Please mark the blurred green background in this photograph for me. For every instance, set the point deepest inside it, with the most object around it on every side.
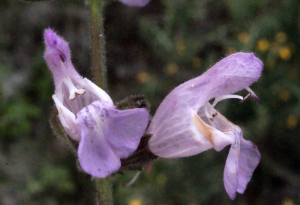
(151, 50)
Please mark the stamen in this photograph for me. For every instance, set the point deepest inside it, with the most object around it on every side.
(213, 116)
(208, 109)
(223, 97)
(72, 89)
(252, 94)
(246, 97)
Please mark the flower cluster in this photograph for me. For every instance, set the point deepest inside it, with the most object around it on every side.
(185, 123)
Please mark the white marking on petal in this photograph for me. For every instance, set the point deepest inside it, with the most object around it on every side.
(80, 91)
(204, 128)
(217, 138)
(72, 89)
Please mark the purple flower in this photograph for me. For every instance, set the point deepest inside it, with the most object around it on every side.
(139, 3)
(186, 124)
(89, 116)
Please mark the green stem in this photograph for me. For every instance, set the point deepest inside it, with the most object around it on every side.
(103, 186)
(104, 191)
(98, 43)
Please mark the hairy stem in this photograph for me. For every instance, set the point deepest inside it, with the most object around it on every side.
(103, 186)
(104, 191)
(98, 43)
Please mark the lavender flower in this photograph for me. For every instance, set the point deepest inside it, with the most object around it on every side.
(186, 124)
(139, 3)
(89, 116)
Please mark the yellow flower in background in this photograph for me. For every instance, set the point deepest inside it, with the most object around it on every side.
(288, 202)
(143, 77)
(280, 37)
(231, 50)
(135, 202)
(244, 37)
(263, 45)
(172, 69)
(284, 95)
(292, 121)
(197, 62)
(270, 63)
(181, 48)
(285, 53)
(161, 179)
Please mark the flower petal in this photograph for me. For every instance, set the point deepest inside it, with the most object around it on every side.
(125, 129)
(231, 74)
(248, 161)
(95, 90)
(230, 177)
(217, 138)
(108, 135)
(95, 154)
(58, 57)
(67, 119)
(139, 3)
(177, 136)
(241, 162)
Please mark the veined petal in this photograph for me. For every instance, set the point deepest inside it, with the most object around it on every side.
(216, 137)
(67, 81)
(95, 154)
(241, 162)
(187, 135)
(231, 74)
(58, 58)
(248, 160)
(92, 87)
(230, 177)
(139, 3)
(67, 119)
(186, 124)
(125, 129)
(179, 137)
(108, 135)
